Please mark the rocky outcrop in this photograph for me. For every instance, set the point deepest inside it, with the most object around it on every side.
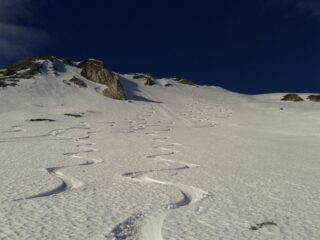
(142, 76)
(115, 89)
(184, 81)
(96, 71)
(149, 82)
(292, 97)
(66, 61)
(4, 84)
(92, 70)
(149, 79)
(75, 81)
(26, 68)
(314, 98)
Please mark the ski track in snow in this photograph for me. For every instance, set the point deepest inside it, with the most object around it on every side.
(15, 128)
(44, 137)
(68, 182)
(150, 225)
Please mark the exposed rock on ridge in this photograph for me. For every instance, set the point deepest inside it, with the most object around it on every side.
(184, 81)
(292, 97)
(97, 72)
(26, 68)
(314, 98)
(23, 69)
(149, 79)
(92, 70)
(76, 81)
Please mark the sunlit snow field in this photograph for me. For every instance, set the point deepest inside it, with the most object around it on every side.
(178, 162)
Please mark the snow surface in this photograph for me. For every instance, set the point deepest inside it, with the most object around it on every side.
(179, 162)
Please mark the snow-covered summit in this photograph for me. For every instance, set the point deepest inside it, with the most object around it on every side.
(62, 76)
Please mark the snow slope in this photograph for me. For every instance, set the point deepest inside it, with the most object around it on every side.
(178, 162)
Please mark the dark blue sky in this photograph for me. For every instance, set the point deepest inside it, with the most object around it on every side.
(249, 46)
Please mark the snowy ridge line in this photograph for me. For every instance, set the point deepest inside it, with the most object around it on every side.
(68, 182)
(149, 226)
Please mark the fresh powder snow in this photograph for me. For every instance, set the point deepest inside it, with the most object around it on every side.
(173, 162)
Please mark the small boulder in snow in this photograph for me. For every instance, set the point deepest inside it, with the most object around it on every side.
(76, 81)
(314, 98)
(292, 97)
(149, 82)
(149, 79)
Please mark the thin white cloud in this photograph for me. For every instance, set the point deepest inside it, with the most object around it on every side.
(305, 8)
(16, 40)
(310, 7)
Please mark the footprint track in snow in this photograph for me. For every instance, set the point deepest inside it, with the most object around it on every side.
(14, 129)
(45, 137)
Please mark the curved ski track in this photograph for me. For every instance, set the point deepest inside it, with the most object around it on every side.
(68, 182)
(148, 226)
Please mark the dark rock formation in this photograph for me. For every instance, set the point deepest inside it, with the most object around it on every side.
(142, 76)
(8, 83)
(168, 85)
(184, 81)
(97, 72)
(68, 62)
(92, 70)
(76, 81)
(149, 82)
(149, 79)
(26, 68)
(261, 225)
(314, 98)
(41, 120)
(292, 97)
(73, 115)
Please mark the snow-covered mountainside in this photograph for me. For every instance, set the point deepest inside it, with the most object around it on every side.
(173, 161)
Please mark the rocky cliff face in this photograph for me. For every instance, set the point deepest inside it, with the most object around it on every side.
(92, 70)
(97, 72)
